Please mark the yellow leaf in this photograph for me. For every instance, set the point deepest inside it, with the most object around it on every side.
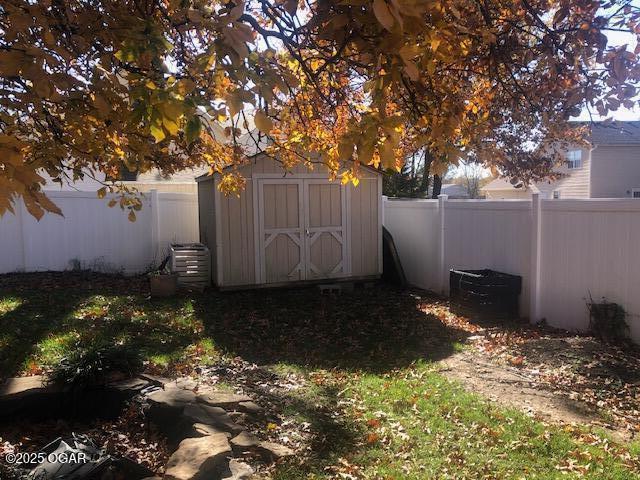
(102, 192)
(170, 125)
(131, 216)
(263, 122)
(157, 132)
(383, 14)
(387, 155)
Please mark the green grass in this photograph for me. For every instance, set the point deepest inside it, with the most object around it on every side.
(38, 329)
(375, 404)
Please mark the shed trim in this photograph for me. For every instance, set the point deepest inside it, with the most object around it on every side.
(218, 244)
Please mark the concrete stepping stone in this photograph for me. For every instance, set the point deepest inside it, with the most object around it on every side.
(199, 458)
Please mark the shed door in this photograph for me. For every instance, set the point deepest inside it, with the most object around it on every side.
(302, 229)
(281, 245)
(325, 215)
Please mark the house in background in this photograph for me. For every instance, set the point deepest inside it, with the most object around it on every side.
(610, 168)
(454, 191)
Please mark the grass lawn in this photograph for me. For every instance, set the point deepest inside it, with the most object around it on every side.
(370, 397)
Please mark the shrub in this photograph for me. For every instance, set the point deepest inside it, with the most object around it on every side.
(96, 365)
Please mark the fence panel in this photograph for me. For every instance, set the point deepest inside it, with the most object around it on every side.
(583, 247)
(11, 244)
(177, 220)
(589, 247)
(414, 227)
(92, 235)
(489, 234)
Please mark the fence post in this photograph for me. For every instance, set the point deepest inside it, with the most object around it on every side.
(155, 225)
(536, 246)
(442, 201)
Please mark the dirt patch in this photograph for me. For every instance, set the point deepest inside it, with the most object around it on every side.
(556, 378)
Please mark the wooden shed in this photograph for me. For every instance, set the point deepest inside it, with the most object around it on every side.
(291, 227)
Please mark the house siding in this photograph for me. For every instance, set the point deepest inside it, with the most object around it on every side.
(575, 183)
(615, 171)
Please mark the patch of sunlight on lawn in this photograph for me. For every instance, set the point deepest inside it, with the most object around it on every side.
(442, 431)
(9, 304)
(55, 347)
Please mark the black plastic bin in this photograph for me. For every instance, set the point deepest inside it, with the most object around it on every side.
(485, 294)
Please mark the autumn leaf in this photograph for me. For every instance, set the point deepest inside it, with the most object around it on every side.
(192, 130)
(383, 14)
(263, 122)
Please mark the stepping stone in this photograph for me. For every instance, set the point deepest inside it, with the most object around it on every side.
(133, 385)
(172, 397)
(29, 394)
(155, 379)
(214, 416)
(244, 441)
(222, 399)
(202, 430)
(274, 451)
(198, 458)
(238, 471)
(251, 408)
(19, 387)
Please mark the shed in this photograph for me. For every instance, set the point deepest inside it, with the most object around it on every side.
(291, 227)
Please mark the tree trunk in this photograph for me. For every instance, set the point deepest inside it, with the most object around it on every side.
(437, 186)
(424, 181)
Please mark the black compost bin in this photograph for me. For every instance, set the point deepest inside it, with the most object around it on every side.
(485, 293)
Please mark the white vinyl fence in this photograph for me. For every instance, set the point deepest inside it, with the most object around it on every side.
(565, 250)
(91, 235)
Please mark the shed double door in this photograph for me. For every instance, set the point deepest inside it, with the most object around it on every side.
(302, 230)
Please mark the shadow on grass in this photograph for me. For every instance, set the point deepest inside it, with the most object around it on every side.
(369, 329)
(45, 317)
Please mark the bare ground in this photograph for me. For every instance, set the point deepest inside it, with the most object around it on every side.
(557, 378)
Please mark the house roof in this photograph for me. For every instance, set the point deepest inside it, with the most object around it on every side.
(454, 190)
(501, 183)
(613, 133)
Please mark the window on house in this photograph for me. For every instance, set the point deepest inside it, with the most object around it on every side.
(574, 159)
(635, 193)
(556, 194)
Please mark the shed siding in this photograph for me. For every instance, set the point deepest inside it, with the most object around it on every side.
(237, 238)
(237, 234)
(615, 171)
(364, 227)
(207, 219)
